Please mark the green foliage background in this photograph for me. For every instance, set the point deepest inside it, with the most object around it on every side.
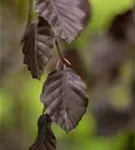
(20, 94)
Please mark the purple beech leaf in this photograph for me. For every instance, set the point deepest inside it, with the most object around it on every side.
(45, 139)
(65, 98)
(66, 17)
(38, 42)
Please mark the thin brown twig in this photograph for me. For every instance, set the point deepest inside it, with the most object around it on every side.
(64, 60)
(43, 111)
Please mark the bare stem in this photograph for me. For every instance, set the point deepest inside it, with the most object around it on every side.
(64, 60)
(43, 110)
(30, 15)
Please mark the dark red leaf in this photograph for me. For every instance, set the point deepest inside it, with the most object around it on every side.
(65, 98)
(67, 17)
(45, 139)
(38, 42)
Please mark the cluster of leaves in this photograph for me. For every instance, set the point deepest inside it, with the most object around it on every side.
(63, 88)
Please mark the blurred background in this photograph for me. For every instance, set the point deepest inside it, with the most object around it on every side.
(104, 56)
